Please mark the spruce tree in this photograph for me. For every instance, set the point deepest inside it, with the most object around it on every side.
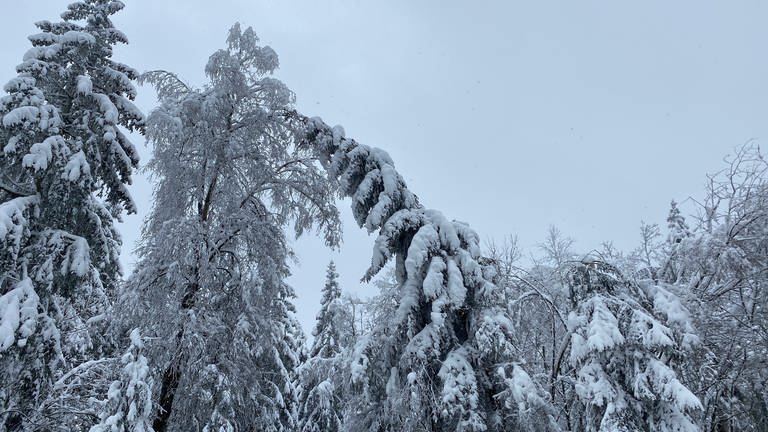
(210, 285)
(65, 166)
(327, 333)
(445, 360)
(626, 342)
(677, 232)
(320, 407)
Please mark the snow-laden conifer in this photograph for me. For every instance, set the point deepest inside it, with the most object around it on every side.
(319, 377)
(626, 341)
(677, 228)
(327, 333)
(677, 231)
(64, 167)
(444, 361)
(128, 407)
(210, 286)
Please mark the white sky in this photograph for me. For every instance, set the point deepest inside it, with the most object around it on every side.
(508, 115)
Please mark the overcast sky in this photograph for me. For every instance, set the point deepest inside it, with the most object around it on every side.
(511, 116)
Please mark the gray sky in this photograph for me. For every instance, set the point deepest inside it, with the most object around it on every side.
(508, 115)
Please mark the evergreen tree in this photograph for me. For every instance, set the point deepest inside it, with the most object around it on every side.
(327, 332)
(210, 285)
(319, 380)
(129, 404)
(626, 340)
(677, 231)
(444, 361)
(64, 167)
(677, 228)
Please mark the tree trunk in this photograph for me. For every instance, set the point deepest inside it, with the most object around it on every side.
(168, 390)
(172, 373)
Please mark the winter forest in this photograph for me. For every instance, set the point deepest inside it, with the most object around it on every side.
(458, 332)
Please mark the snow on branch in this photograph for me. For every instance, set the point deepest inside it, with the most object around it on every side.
(449, 317)
(18, 314)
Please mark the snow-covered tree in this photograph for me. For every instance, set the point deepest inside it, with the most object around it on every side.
(128, 407)
(64, 167)
(677, 228)
(537, 301)
(626, 340)
(210, 286)
(318, 377)
(327, 332)
(646, 259)
(444, 361)
(722, 271)
(677, 231)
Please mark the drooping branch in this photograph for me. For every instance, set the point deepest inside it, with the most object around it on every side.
(450, 333)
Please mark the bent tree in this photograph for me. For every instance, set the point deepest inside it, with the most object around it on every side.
(210, 287)
(445, 360)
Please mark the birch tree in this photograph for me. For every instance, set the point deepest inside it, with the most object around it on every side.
(210, 286)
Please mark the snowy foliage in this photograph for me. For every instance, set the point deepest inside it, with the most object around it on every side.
(129, 404)
(670, 336)
(443, 360)
(211, 288)
(320, 394)
(319, 380)
(721, 273)
(327, 332)
(625, 342)
(18, 314)
(65, 164)
(677, 232)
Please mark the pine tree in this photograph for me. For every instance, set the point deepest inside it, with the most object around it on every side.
(65, 165)
(319, 384)
(129, 404)
(626, 340)
(211, 282)
(445, 360)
